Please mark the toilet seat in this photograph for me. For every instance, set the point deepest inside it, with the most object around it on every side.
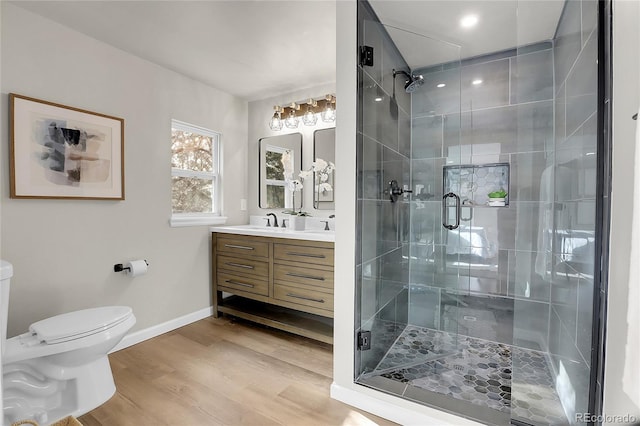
(75, 325)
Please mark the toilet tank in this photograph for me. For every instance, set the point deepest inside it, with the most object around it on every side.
(6, 272)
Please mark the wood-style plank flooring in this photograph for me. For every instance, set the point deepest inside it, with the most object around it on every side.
(225, 372)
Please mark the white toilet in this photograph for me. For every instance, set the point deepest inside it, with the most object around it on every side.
(60, 366)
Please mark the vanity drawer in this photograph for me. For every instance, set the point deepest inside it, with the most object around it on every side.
(303, 296)
(303, 275)
(243, 247)
(244, 265)
(246, 284)
(306, 254)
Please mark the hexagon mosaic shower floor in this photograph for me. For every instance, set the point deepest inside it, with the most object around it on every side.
(503, 377)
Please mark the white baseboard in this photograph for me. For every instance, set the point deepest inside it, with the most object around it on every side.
(156, 330)
(393, 412)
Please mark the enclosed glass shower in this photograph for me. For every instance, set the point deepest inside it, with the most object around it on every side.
(478, 207)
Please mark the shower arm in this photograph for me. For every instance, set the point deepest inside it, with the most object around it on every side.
(395, 73)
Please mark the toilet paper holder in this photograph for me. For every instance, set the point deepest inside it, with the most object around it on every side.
(119, 267)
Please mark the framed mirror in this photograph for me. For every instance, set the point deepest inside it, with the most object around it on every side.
(324, 148)
(280, 163)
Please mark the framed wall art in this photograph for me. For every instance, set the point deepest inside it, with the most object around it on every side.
(59, 151)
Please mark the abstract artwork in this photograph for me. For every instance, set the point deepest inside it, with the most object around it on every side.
(59, 151)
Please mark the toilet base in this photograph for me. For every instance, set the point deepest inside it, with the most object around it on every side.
(43, 391)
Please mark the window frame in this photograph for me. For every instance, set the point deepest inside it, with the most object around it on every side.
(201, 218)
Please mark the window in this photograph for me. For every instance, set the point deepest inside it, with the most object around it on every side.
(195, 193)
(275, 175)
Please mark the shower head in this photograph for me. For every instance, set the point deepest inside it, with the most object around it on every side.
(412, 82)
(416, 81)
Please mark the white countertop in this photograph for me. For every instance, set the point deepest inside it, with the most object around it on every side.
(263, 231)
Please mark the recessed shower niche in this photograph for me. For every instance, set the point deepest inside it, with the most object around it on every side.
(475, 182)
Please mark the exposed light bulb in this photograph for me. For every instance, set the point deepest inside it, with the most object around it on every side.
(440, 86)
(309, 118)
(291, 121)
(275, 123)
(329, 114)
(476, 82)
(378, 99)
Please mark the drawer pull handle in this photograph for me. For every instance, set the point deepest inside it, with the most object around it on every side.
(319, 256)
(237, 265)
(238, 247)
(239, 283)
(297, 296)
(310, 277)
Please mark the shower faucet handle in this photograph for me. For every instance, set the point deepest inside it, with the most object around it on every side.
(395, 190)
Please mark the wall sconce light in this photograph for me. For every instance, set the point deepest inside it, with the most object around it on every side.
(329, 113)
(292, 120)
(289, 115)
(310, 118)
(276, 121)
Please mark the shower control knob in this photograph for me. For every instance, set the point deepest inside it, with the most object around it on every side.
(395, 191)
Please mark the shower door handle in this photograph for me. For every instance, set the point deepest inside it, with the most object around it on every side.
(445, 211)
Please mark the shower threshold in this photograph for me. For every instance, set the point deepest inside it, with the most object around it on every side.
(476, 378)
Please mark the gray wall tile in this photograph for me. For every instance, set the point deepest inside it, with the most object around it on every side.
(424, 306)
(530, 324)
(431, 100)
(371, 174)
(582, 86)
(494, 89)
(377, 122)
(589, 18)
(426, 137)
(568, 40)
(526, 174)
(532, 77)
(526, 280)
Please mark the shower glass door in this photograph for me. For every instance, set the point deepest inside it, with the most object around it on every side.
(411, 251)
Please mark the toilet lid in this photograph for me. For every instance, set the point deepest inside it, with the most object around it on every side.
(74, 325)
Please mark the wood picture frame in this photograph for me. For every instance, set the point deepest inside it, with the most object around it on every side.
(58, 151)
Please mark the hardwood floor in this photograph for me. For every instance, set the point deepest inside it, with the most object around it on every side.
(225, 372)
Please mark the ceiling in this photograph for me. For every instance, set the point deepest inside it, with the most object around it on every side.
(427, 32)
(262, 48)
(251, 49)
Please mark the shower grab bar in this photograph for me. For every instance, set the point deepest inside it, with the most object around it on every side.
(445, 213)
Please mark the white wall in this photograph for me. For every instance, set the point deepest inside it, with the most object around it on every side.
(63, 251)
(626, 99)
(259, 114)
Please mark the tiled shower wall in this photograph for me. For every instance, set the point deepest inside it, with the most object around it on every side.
(384, 149)
(490, 267)
(572, 248)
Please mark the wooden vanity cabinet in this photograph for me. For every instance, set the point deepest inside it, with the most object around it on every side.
(283, 283)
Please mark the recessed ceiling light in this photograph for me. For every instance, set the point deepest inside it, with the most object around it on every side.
(476, 81)
(440, 86)
(469, 21)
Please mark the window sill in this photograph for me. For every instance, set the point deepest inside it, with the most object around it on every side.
(177, 221)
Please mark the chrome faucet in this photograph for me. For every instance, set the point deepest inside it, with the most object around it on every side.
(275, 219)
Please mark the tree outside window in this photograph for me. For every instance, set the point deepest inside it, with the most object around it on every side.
(194, 169)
